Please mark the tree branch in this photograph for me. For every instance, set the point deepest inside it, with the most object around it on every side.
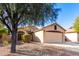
(9, 14)
(3, 21)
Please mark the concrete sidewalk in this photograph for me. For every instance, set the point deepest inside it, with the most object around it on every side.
(4, 51)
(67, 46)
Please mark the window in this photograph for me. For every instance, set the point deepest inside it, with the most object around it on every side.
(55, 27)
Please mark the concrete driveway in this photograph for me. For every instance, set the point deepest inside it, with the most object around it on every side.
(67, 46)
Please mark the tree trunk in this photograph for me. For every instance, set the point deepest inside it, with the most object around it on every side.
(14, 40)
(32, 36)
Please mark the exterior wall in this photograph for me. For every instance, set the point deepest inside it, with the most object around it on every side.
(63, 37)
(60, 29)
(38, 36)
(49, 28)
(72, 37)
(52, 28)
(52, 37)
(78, 37)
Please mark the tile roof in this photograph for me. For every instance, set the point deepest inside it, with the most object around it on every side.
(71, 30)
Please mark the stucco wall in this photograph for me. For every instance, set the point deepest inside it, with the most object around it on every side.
(60, 29)
(51, 37)
(63, 35)
(43, 36)
(78, 36)
(52, 28)
(38, 36)
(72, 37)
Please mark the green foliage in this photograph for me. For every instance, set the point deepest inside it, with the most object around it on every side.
(26, 38)
(3, 31)
(23, 37)
(40, 14)
(31, 13)
(5, 43)
(76, 24)
(1, 25)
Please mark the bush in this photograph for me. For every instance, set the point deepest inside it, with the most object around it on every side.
(5, 43)
(3, 31)
(20, 33)
(5, 40)
(26, 38)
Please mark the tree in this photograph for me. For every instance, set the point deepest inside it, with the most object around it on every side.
(12, 15)
(1, 25)
(76, 24)
(2, 29)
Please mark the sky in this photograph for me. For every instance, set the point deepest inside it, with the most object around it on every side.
(69, 12)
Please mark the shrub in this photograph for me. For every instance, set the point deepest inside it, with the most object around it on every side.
(3, 31)
(26, 38)
(20, 33)
(5, 43)
(5, 40)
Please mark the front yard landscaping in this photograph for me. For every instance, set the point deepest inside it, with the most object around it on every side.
(37, 49)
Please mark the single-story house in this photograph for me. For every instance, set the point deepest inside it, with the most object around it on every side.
(53, 33)
(71, 35)
(28, 28)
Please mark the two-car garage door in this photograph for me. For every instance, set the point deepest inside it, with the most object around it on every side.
(50, 37)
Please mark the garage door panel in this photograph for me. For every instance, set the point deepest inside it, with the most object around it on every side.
(53, 37)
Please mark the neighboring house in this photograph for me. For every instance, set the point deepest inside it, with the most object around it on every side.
(28, 28)
(71, 35)
(26, 31)
(53, 33)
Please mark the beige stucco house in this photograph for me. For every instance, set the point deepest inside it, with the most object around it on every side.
(71, 35)
(53, 33)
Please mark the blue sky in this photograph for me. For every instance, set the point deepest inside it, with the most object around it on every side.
(69, 12)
